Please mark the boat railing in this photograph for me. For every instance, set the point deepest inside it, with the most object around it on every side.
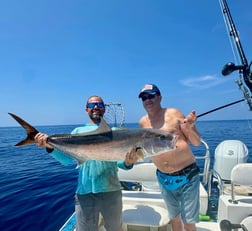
(205, 174)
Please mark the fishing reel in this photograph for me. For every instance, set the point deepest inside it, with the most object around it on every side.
(243, 69)
(245, 75)
(231, 67)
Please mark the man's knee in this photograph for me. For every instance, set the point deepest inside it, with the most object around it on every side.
(189, 227)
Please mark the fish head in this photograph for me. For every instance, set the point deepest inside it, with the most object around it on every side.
(156, 142)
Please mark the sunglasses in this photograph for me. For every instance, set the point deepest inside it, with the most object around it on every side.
(148, 97)
(100, 105)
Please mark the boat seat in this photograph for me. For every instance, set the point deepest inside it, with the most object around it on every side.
(235, 207)
(142, 208)
(240, 175)
(245, 190)
(146, 208)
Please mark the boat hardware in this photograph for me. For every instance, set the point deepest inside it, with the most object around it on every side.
(244, 69)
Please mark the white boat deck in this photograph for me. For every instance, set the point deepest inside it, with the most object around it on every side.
(145, 210)
(208, 226)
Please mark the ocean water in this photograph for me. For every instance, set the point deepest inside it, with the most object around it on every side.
(37, 192)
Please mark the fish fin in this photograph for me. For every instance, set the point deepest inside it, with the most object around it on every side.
(104, 127)
(140, 153)
(30, 130)
(79, 163)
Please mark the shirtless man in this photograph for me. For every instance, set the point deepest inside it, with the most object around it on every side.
(177, 172)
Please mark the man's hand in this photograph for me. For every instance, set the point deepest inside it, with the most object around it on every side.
(189, 129)
(131, 157)
(191, 118)
(41, 140)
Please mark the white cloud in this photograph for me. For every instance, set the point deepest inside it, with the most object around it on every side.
(203, 82)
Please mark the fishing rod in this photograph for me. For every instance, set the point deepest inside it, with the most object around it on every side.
(244, 69)
(218, 108)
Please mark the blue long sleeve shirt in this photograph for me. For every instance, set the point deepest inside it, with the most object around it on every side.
(94, 176)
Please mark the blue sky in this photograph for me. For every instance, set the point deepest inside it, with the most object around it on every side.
(56, 53)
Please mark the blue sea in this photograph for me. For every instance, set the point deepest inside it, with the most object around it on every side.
(37, 192)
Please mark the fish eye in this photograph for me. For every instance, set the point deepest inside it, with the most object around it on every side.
(162, 137)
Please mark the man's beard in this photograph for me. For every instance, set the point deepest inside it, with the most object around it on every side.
(95, 117)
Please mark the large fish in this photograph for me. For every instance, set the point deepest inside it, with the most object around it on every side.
(104, 143)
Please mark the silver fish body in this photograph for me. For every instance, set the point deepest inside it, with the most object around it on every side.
(104, 143)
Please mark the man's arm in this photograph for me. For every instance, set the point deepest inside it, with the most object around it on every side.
(41, 141)
(189, 129)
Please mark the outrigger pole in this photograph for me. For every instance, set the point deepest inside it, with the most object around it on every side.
(244, 68)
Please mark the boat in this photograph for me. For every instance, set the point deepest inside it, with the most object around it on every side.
(225, 189)
(144, 209)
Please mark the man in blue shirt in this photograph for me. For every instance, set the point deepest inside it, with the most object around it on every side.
(99, 189)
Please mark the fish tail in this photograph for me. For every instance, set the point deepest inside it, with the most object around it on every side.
(30, 130)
